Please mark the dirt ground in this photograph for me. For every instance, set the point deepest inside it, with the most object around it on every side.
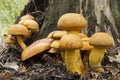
(47, 67)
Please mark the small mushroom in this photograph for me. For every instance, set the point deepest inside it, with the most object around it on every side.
(85, 50)
(81, 35)
(20, 32)
(56, 34)
(10, 39)
(100, 41)
(27, 16)
(70, 43)
(30, 24)
(36, 48)
(86, 45)
(54, 46)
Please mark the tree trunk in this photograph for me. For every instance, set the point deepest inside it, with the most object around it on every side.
(102, 15)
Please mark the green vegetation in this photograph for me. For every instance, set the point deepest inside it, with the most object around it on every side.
(9, 11)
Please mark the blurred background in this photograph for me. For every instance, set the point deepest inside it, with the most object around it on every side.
(9, 11)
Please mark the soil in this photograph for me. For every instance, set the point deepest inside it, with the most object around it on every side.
(47, 67)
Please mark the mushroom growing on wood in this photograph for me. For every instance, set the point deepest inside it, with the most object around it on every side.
(20, 32)
(73, 23)
(100, 41)
(36, 48)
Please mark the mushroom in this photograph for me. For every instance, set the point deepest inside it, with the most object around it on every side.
(85, 50)
(86, 45)
(27, 16)
(36, 48)
(30, 24)
(70, 43)
(54, 46)
(10, 39)
(100, 41)
(19, 31)
(56, 34)
(73, 23)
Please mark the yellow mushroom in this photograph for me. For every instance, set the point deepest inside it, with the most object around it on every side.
(54, 46)
(56, 34)
(27, 16)
(10, 39)
(20, 32)
(32, 25)
(70, 43)
(73, 23)
(36, 48)
(100, 41)
(85, 50)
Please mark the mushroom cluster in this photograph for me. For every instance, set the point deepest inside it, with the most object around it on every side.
(68, 41)
(26, 26)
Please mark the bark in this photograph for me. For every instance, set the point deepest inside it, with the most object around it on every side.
(102, 15)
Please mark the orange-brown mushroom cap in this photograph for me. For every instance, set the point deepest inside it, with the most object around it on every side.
(70, 41)
(72, 21)
(55, 44)
(19, 29)
(35, 48)
(86, 45)
(30, 24)
(56, 34)
(101, 39)
(27, 16)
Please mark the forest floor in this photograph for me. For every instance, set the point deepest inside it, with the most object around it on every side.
(46, 67)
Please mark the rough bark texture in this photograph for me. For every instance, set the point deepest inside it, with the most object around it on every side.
(102, 15)
(56, 8)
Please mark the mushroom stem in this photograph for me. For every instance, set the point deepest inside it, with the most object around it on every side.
(73, 61)
(62, 52)
(20, 42)
(72, 32)
(96, 57)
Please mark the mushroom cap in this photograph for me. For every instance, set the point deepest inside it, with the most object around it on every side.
(30, 24)
(55, 44)
(18, 29)
(35, 48)
(101, 39)
(56, 34)
(53, 50)
(81, 35)
(86, 45)
(70, 41)
(27, 16)
(72, 21)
